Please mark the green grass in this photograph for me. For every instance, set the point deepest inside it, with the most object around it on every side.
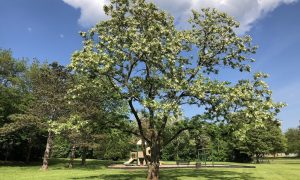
(95, 169)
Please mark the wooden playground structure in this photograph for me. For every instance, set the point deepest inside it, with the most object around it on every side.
(137, 160)
(137, 157)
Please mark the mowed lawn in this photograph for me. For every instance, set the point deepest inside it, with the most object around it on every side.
(282, 169)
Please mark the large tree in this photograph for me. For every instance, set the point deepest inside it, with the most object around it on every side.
(150, 64)
(49, 86)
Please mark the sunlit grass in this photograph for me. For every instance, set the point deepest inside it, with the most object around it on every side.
(95, 169)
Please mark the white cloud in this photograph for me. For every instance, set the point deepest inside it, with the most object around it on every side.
(91, 10)
(245, 11)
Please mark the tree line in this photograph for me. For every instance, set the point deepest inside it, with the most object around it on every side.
(41, 114)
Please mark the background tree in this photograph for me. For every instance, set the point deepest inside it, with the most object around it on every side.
(267, 139)
(181, 148)
(49, 86)
(97, 107)
(14, 98)
(293, 140)
(148, 63)
(92, 109)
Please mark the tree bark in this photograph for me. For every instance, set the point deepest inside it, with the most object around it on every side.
(47, 151)
(144, 152)
(153, 167)
(153, 171)
(72, 156)
(83, 156)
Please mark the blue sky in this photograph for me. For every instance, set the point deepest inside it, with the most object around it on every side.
(48, 30)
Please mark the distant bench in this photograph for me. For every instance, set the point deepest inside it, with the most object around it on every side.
(182, 162)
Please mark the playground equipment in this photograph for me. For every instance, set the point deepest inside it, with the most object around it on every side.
(137, 157)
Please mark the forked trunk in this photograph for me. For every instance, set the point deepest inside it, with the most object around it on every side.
(47, 151)
(153, 166)
(72, 156)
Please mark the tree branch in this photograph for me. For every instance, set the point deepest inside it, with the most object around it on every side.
(138, 121)
(177, 134)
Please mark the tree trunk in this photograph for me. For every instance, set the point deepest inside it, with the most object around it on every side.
(47, 151)
(144, 152)
(72, 156)
(153, 167)
(8, 148)
(153, 171)
(6, 155)
(257, 159)
(29, 150)
(83, 156)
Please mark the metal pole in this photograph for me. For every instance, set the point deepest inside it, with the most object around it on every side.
(137, 154)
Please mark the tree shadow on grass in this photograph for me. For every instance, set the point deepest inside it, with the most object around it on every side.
(179, 174)
(216, 174)
(130, 175)
(90, 165)
(56, 164)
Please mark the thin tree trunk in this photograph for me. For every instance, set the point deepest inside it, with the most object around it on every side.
(153, 167)
(47, 151)
(8, 147)
(257, 159)
(83, 156)
(29, 150)
(72, 156)
(6, 155)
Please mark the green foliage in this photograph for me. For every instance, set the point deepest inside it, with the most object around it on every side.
(16, 135)
(13, 88)
(49, 85)
(39, 91)
(293, 140)
(61, 147)
(182, 148)
(117, 145)
(262, 140)
(92, 108)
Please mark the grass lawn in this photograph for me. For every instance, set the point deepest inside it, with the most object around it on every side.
(282, 169)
